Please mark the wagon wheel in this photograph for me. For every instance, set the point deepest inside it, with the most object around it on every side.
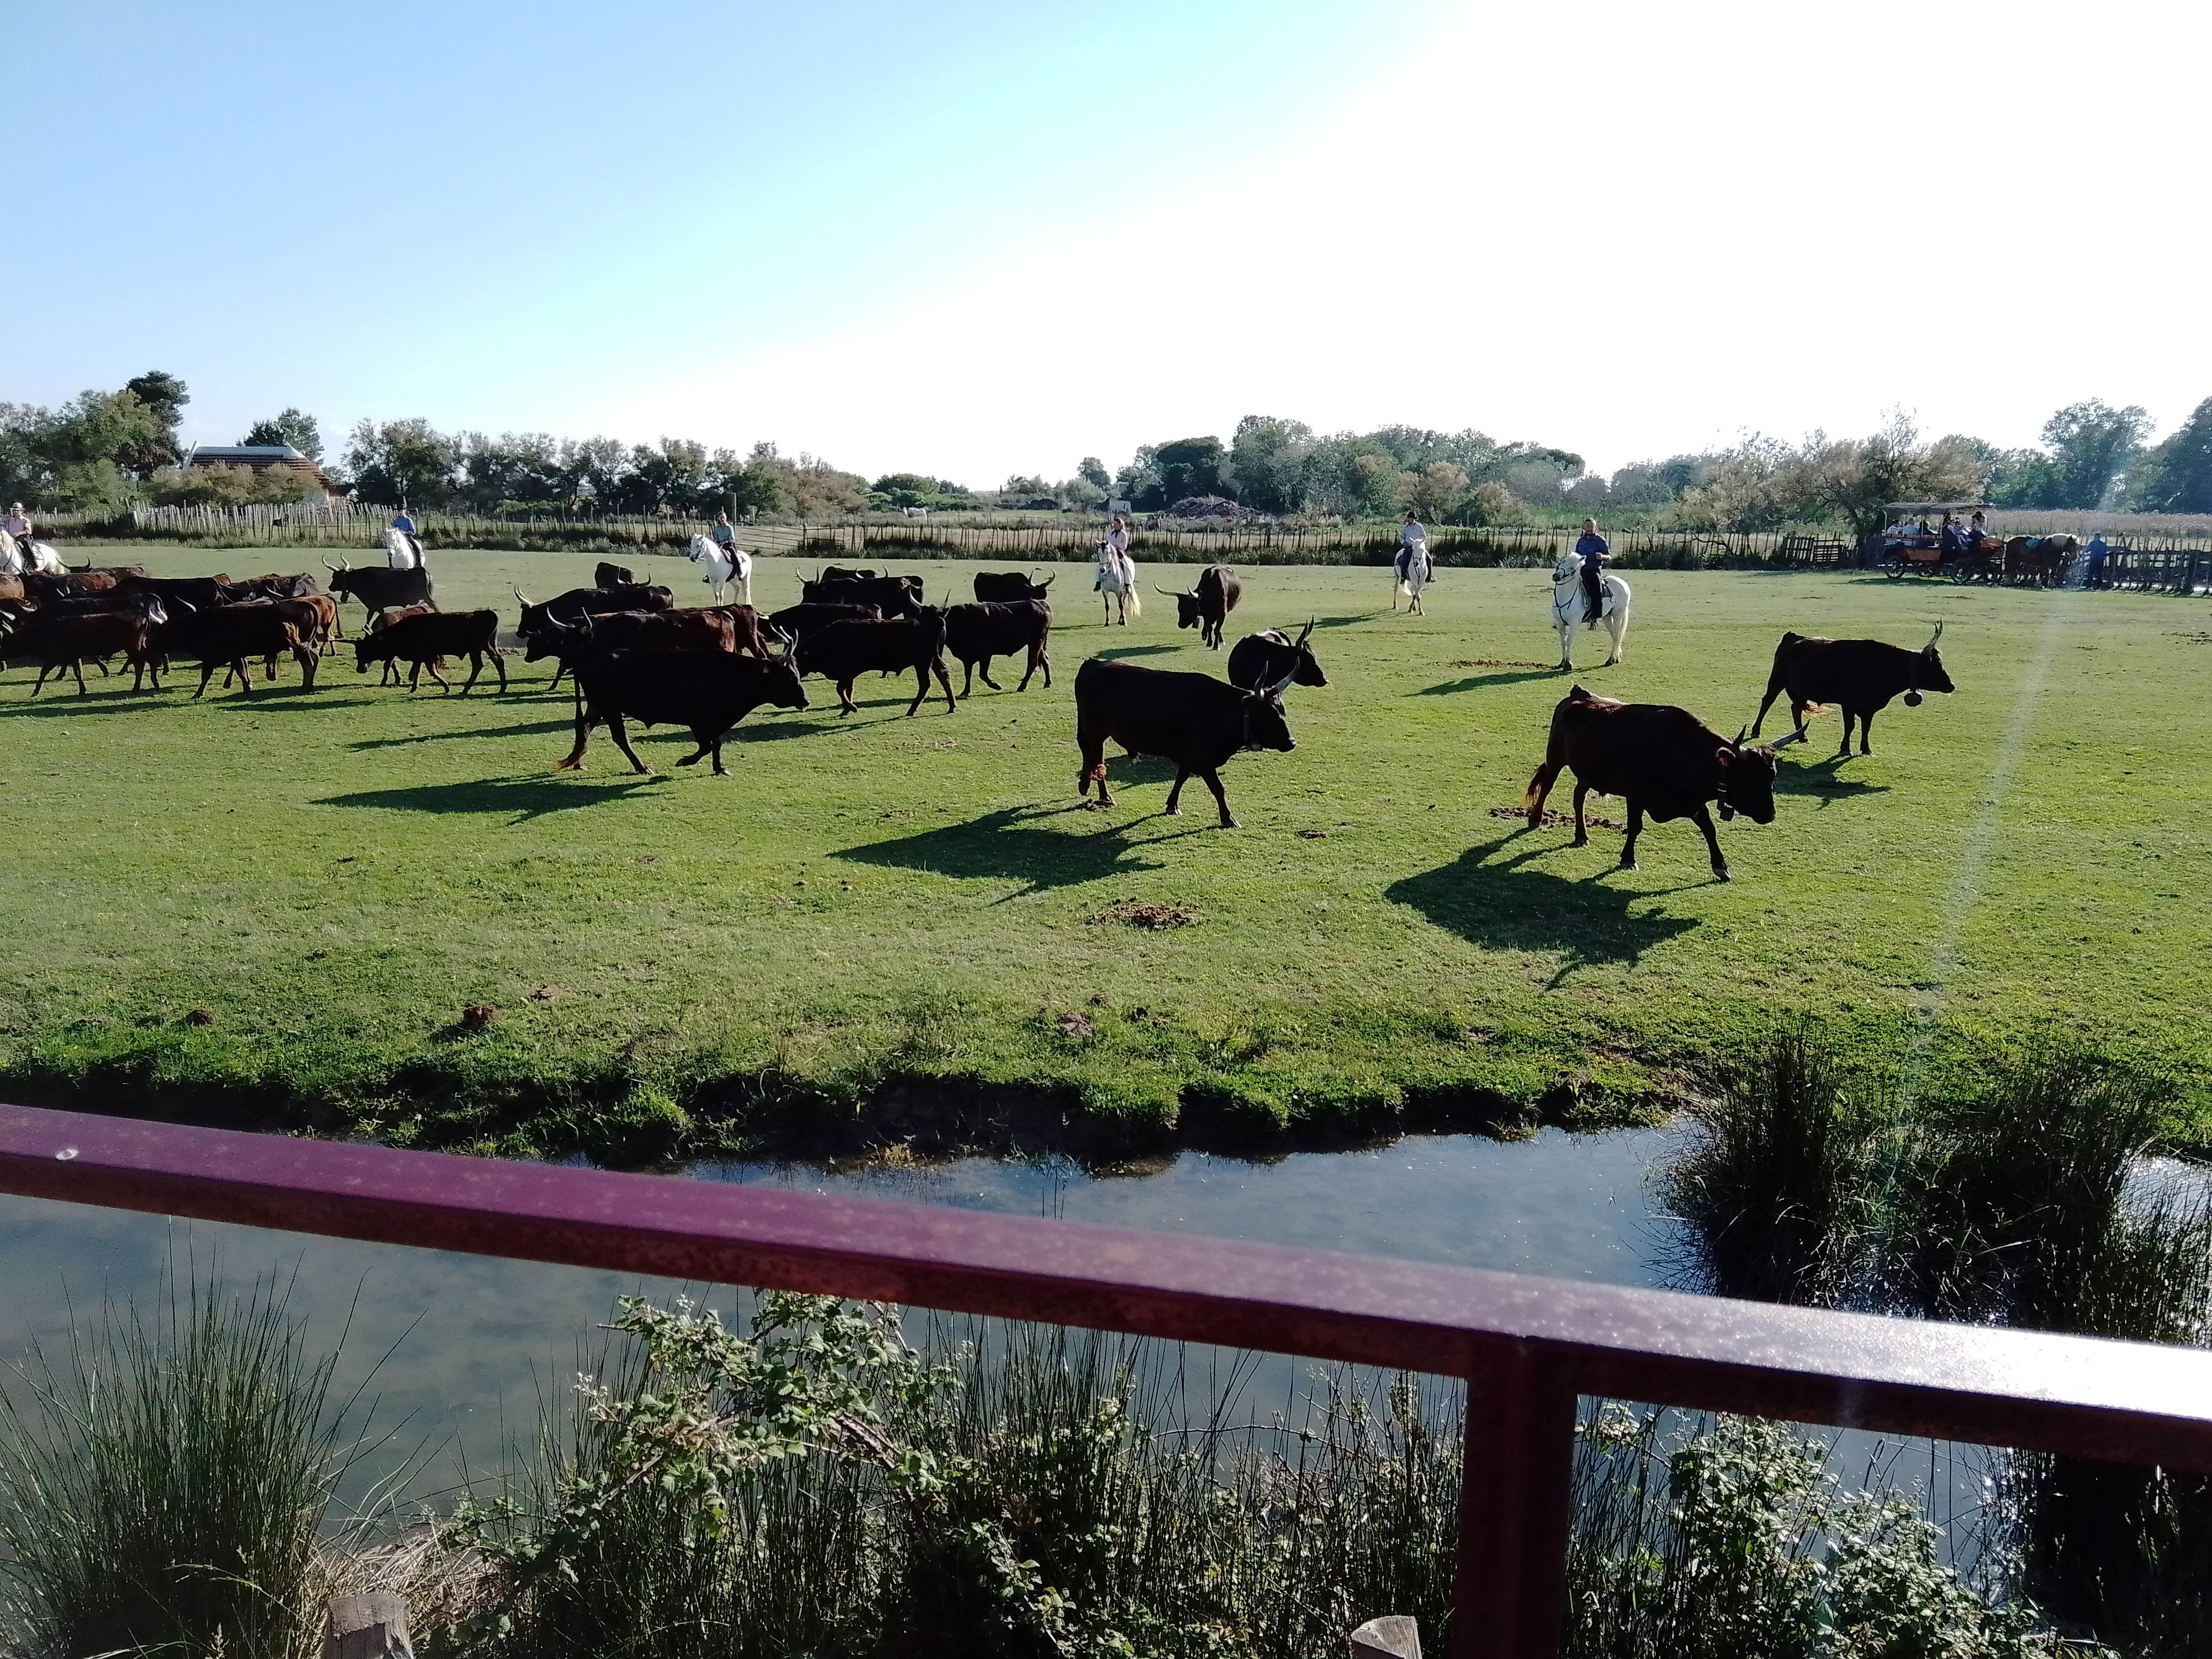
(1895, 569)
(1967, 570)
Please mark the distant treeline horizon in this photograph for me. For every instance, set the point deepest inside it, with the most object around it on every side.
(108, 450)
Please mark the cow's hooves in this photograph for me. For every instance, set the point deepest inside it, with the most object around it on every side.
(1230, 824)
(1628, 864)
(1720, 875)
(1579, 841)
(1171, 811)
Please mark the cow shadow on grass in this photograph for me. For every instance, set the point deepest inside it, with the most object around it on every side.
(1017, 843)
(1116, 653)
(1824, 781)
(522, 728)
(105, 700)
(1502, 905)
(1476, 682)
(521, 799)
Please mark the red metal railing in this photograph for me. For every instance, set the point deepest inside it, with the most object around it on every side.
(1527, 1347)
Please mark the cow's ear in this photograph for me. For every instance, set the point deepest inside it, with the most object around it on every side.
(1726, 755)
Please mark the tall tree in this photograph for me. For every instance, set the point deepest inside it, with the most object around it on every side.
(2176, 477)
(164, 397)
(403, 462)
(294, 427)
(1092, 471)
(2091, 445)
(1189, 466)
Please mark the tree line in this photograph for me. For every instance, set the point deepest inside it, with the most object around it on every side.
(104, 450)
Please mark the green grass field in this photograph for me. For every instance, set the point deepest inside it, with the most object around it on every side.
(274, 908)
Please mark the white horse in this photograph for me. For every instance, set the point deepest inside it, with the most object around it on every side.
(1570, 608)
(729, 566)
(401, 552)
(18, 557)
(1113, 578)
(1410, 574)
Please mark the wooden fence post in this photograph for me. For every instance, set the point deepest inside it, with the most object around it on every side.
(371, 1626)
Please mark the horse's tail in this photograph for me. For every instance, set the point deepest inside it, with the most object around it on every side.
(1136, 600)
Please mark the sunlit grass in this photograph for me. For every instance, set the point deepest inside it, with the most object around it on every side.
(279, 905)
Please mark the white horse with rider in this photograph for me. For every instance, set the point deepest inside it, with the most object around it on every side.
(1571, 609)
(1113, 578)
(25, 556)
(724, 565)
(1411, 569)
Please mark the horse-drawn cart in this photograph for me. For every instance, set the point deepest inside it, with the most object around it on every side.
(1908, 545)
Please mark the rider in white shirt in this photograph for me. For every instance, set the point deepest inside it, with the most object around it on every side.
(1411, 534)
(17, 523)
(1117, 538)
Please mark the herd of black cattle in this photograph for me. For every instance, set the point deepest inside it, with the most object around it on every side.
(632, 655)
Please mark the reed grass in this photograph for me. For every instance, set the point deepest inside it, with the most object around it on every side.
(164, 1482)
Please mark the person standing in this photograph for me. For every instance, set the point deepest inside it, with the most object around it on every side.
(2098, 554)
(1593, 550)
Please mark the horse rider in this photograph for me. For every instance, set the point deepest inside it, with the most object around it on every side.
(1591, 548)
(724, 532)
(1411, 534)
(18, 524)
(1117, 544)
(402, 522)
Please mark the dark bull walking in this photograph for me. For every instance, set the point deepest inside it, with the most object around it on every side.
(1859, 676)
(1660, 760)
(1208, 605)
(1194, 719)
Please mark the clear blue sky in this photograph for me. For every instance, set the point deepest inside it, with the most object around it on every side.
(971, 237)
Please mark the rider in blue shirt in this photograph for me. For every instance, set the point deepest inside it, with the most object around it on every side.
(405, 526)
(1592, 550)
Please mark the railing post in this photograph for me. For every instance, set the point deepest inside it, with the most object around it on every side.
(1515, 1510)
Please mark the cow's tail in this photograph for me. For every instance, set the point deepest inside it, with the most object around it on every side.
(1555, 760)
(1778, 679)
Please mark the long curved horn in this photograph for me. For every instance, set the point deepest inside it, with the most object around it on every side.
(1156, 588)
(1785, 742)
(519, 600)
(1932, 638)
(1307, 634)
(1742, 731)
(1284, 684)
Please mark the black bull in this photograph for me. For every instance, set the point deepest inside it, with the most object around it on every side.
(378, 589)
(895, 595)
(1207, 605)
(1193, 720)
(1660, 761)
(974, 633)
(705, 692)
(1859, 676)
(1260, 658)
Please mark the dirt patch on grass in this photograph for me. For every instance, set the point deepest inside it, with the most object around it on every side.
(1499, 662)
(1554, 820)
(1151, 917)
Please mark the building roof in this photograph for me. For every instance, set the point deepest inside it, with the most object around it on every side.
(204, 454)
